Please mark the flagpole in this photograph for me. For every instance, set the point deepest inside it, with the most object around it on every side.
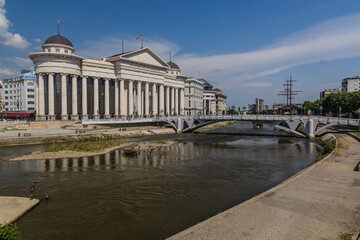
(142, 41)
(122, 44)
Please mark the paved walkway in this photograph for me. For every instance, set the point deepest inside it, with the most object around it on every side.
(321, 202)
(11, 208)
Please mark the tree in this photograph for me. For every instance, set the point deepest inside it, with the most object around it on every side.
(335, 103)
(9, 232)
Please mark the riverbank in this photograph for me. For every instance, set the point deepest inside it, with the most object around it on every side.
(214, 126)
(43, 155)
(320, 202)
(12, 208)
(37, 136)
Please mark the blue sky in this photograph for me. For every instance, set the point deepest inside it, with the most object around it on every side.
(246, 48)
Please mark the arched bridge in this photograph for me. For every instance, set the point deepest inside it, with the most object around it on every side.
(312, 125)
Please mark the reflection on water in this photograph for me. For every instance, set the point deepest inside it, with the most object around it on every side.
(155, 194)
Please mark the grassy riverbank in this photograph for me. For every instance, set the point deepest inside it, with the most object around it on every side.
(83, 146)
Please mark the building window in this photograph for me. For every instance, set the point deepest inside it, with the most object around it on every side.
(31, 96)
(57, 50)
(30, 90)
(31, 102)
(66, 51)
(31, 109)
(6, 86)
(49, 50)
(30, 83)
(6, 92)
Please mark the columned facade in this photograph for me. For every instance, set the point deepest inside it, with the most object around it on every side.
(133, 84)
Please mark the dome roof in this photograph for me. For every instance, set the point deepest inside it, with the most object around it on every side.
(57, 39)
(173, 65)
(217, 90)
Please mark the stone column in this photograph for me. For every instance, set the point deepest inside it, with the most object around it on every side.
(64, 113)
(167, 101)
(139, 99)
(107, 96)
(41, 98)
(131, 99)
(51, 97)
(116, 98)
(84, 98)
(96, 98)
(176, 101)
(161, 100)
(154, 99)
(182, 101)
(74, 114)
(147, 99)
(172, 101)
(122, 99)
(36, 98)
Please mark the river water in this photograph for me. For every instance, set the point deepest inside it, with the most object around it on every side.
(155, 194)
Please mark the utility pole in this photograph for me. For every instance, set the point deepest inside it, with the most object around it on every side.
(289, 93)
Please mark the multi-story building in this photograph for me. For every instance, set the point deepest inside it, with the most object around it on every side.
(350, 84)
(214, 100)
(19, 93)
(327, 92)
(194, 96)
(259, 105)
(1, 101)
(132, 84)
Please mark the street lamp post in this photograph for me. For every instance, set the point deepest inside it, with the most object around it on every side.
(17, 105)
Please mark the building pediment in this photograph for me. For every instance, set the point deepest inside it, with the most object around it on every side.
(144, 56)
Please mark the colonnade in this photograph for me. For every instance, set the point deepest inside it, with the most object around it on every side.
(128, 98)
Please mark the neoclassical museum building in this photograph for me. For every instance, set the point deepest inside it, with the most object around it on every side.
(131, 84)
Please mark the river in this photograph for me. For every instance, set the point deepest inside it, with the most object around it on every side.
(155, 194)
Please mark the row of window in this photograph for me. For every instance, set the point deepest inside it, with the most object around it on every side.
(18, 85)
(19, 91)
(57, 50)
(14, 109)
(20, 103)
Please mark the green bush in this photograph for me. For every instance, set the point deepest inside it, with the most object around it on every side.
(161, 142)
(9, 232)
(328, 147)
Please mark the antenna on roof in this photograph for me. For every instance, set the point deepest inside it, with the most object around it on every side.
(170, 55)
(122, 50)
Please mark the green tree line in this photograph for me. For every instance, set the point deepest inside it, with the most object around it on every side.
(344, 103)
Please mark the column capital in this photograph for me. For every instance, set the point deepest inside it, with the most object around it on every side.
(52, 73)
(41, 74)
(73, 75)
(64, 74)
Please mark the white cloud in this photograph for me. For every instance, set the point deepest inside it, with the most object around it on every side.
(329, 40)
(37, 40)
(23, 62)
(6, 72)
(332, 85)
(258, 84)
(109, 46)
(6, 38)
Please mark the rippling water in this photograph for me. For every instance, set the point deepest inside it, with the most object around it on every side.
(153, 195)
